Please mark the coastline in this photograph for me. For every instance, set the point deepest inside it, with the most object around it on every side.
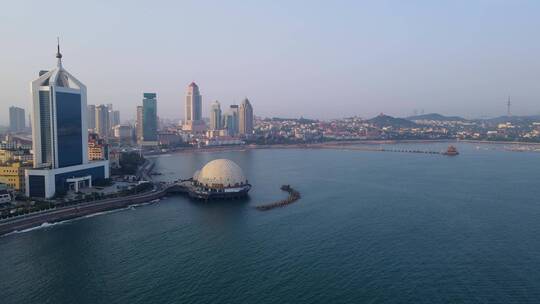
(334, 145)
(76, 211)
(85, 209)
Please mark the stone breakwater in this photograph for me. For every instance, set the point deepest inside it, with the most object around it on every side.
(293, 197)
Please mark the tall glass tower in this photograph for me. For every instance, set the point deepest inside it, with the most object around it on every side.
(245, 124)
(17, 119)
(194, 122)
(215, 116)
(149, 117)
(60, 135)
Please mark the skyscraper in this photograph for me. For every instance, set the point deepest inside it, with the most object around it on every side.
(149, 117)
(91, 114)
(59, 135)
(102, 121)
(194, 122)
(193, 103)
(114, 117)
(245, 124)
(231, 120)
(215, 116)
(139, 124)
(17, 118)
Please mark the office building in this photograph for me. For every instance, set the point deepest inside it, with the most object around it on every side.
(102, 121)
(215, 116)
(114, 117)
(193, 121)
(149, 118)
(17, 121)
(245, 122)
(231, 120)
(139, 124)
(60, 136)
(91, 115)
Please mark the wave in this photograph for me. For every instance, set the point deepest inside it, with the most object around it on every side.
(42, 226)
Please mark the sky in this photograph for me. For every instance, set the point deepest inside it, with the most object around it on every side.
(316, 59)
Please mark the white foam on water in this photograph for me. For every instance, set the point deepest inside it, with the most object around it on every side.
(48, 225)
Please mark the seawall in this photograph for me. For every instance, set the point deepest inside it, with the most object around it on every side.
(75, 211)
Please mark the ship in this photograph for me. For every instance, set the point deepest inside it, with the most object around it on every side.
(451, 151)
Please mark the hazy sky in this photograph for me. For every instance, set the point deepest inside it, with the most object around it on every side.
(321, 59)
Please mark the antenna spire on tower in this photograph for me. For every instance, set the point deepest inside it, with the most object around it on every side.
(58, 54)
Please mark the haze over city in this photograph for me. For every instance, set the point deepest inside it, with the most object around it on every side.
(315, 59)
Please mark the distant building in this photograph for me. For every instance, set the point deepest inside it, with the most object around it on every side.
(97, 148)
(15, 154)
(169, 139)
(193, 121)
(91, 114)
(123, 133)
(13, 176)
(17, 118)
(60, 135)
(149, 118)
(115, 118)
(245, 125)
(102, 121)
(139, 124)
(215, 116)
(231, 120)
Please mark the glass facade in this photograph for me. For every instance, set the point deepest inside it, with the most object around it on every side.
(69, 129)
(149, 119)
(60, 179)
(36, 184)
(45, 126)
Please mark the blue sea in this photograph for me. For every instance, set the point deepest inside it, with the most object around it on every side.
(371, 227)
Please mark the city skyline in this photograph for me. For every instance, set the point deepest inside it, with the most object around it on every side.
(373, 59)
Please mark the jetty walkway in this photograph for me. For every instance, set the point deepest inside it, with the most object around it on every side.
(293, 197)
(373, 149)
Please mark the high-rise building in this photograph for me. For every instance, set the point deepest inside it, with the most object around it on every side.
(60, 136)
(16, 119)
(114, 117)
(139, 124)
(215, 116)
(231, 120)
(193, 103)
(91, 116)
(149, 117)
(245, 124)
(193, 121)
(102, 121)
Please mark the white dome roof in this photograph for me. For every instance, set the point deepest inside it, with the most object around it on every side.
(223, 172)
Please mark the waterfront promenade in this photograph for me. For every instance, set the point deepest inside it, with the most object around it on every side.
(70, 212)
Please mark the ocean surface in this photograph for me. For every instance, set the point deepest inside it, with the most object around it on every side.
(371, 227)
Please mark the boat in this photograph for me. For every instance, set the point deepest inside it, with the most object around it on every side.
(451, 151)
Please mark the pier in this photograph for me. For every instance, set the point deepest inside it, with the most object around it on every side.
(293, 197)
(451, 150)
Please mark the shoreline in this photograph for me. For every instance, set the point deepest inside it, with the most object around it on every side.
(77, 211)
(85, 209)
(334, 145)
